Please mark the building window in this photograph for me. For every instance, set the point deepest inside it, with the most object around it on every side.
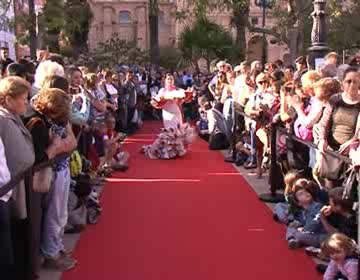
(254, 20)
(124, 17)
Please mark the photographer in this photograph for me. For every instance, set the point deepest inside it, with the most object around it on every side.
(257, 107)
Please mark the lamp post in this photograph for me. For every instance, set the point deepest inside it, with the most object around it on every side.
(319, 47)
(264, 4)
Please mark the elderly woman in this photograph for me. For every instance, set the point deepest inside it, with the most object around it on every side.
(52, 136)
(19, 153)
(340, 122)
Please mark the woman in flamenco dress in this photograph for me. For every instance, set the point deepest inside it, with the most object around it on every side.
(174, 138)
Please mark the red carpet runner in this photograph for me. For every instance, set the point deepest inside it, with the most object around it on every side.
(193, 218)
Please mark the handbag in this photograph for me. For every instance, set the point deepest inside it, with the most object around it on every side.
(329, 167)
(42, 179)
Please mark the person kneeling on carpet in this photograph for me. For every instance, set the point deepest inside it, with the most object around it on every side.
(217, 129)
(115, 157)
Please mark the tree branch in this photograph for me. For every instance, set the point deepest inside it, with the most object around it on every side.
(270, 32)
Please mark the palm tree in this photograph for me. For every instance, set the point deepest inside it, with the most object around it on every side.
(32, 29)
(205, 40)
(154, 31)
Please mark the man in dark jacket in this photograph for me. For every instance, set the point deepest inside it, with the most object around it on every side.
(130, 95)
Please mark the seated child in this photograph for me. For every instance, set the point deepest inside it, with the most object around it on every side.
(306, 230)
(339, 215)
(344, 256)
(115, 158)
(243, 149)
(285, 212)
(202, 125)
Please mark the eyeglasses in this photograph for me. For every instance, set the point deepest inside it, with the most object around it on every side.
(261, 82)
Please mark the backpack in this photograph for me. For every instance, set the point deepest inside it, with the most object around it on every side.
(43, 178)
(75, 164)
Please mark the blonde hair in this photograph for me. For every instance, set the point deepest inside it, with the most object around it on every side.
(45, 69)
(13, 87)
(309, 79)
(90, 80)
(332, 55)
(330, 87)
(53, 103)
(290, 179)
(262, 77)
(337, 242)
(84, 70)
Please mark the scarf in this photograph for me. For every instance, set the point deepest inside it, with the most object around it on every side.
(170, 87)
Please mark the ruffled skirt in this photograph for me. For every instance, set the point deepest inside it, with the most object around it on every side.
(170, 143)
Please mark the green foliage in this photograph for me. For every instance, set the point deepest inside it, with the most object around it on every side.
(344, 26)
(206, 40)
(298, 19)
(169, 57)
(53, 22)
(73, 17)
(113, 52)
(78, 16)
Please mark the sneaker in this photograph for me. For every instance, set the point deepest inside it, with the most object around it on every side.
(312, 251)
(250, 165)
(321, 268)
(75, 229)
(119, 167)
(60, 263)
(276, 218)
(229, 158)
(293, 244)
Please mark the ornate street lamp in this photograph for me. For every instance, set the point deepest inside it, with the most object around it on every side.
(319, 47)
(264, 4)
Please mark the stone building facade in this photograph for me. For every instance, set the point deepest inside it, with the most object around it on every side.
(129, 19)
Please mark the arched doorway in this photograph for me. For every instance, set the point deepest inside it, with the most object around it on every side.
(255, 47)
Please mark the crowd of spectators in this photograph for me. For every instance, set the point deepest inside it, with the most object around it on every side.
(241, 111)
(78, 119)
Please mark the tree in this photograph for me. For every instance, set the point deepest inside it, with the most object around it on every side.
(154, 31)
(293, 22)
(206, 40)
(239, 10)
(113, 52)
(344, 26)
(78, 16)
(32, 29)
(53, 22)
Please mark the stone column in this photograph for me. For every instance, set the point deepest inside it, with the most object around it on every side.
(319, 47)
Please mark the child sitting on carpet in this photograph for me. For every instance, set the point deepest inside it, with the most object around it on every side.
(307, 229)
(115, 158)
(344, 256)
(285, 212)
(202, 124)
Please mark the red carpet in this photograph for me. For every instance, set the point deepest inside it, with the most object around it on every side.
(193, 218)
